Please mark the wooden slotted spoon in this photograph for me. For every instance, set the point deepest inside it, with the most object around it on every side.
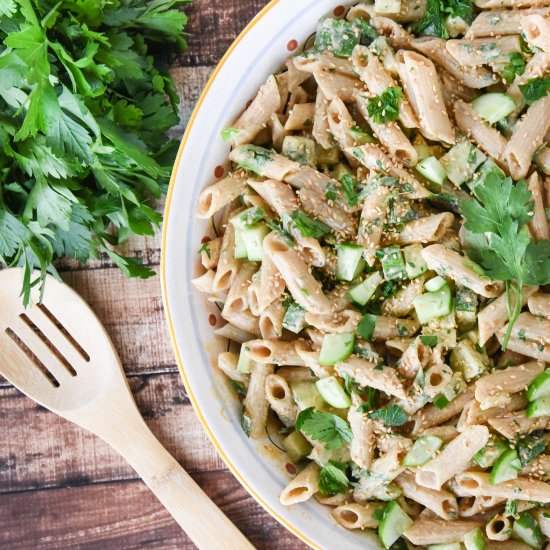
(59, 355)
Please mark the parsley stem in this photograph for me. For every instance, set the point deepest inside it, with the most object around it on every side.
(514, 313)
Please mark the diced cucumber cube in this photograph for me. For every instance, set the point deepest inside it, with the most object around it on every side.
(415, 264)
(445, 546)
(461, 162)
(432, 170)
(468, 360)
(350, 262)
(506, 467)
(244, 364)
(337, 36)
(493, 107)
(327, 157)
(387, 6)
(435, 284)
(297, 447)
(393, 524)
(488, 456)
(432, 305)
(360, 136)
(240, 248)
(423, 450)
(364, 291)
(299, 149)
(295, 318)
(333, 393)
(539, 407)
(306, 395)
(336, 348)
(253, 239)
(474, 540)
(539, 387)
(527, 530)
(393, 264)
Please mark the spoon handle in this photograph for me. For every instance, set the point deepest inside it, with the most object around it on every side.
(206, 525)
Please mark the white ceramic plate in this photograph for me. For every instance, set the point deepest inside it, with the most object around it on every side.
(260, 50)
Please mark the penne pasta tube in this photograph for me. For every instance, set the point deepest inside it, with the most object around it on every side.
(233, 333)
(489, 4)
(237, 300)
(258, 114)
(296, 77)
(539, 223)
(358, 516)
(345, 321)
(278, 132)
(496, 389)
(367, 374)
(536, 30)
(280, 399)
(270, 285)
(300, 117)
(337, 85)
(527, 137)
(445, 433)
(402, 303)
(414, 358)
(227, 363)
(387, 328)
(419, 77)
(295, 375)
(397, 36)
(340, 122)
(442, 503)
(277, 352)
(481, 51)
(371, 71)
(437, 378)
(501, 23)
(333, 500)
(539, 304)
(210, 253)
(476, 415)
(216, 196)
(513, 424)
(489, 139)
(435, 48)
(495, 315)
(266, 163)
(528, 348)
(305, 289)
(533, 328)
(499, 528)
(433, 530)
(506, 545)
(243, 320)
(321, 129)
(271, 321)
(255, 405)
(538, 469)
(448, 263)
(454, 458)
(363, 443)
(478, 484)
(302, 487)
(310, 357)
(422, 230)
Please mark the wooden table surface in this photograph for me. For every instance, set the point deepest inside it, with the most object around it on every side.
(61, 487)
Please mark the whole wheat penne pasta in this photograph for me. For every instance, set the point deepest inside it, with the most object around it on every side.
(204, 283)
(448, 263)
(233, 333)
(538, 224)
(295, 375)
(210, 253)
(216, 196)
(495, 315)
(357, 516)
(243, 320)
(271, 321)
(513, 424)
(397, 36)
(390, 135)
(432, 416)
(454, 458)
(321, 130)
(340, 122)
(476, 415)
(528, 348)
(437, 377)
(397, 346)
(270, 285)
(299, 95)
(490, 140)
(344, 321)
(295, 76)
(527, 137)
(258, 114)
(419, 78)
(393, 327)
(539, 304)
(445, 433)
(323, 61)
(480, 51)
(506, 545)
(237, 300)
(533, 328)
(489, 4)
(367, 374)
(374, 158)
(280, 399)
(255, 404)
(416, 357)
(442, 503)
(501, 23)
(470, 506)
(333, 500)
(435, 49)
(538, 468)
(310, 356)
(334, 85)
(227, 362)
(302, 487)
(277, 352)
(305, 289)
(300, 116)
(434, 530)
(452, 90)
(372, 73)
(402, 303)
(536, 30)
(363, 443)
(495, 389)
(478, 484)
(278, 132)
(273, 166)
(422, 230)
(499, 528)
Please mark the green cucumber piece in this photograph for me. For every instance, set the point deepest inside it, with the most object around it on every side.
(445, 546)
(432, 305)
(493, 107)
(253, 239)
(393, 523)
(333, 393)
(539, 387)
(527, 530)
(506, 467)
(432, 170)
(461, 162)
(295, 318)
(299, 149)
(539, 407)
(387, 6)
(336, 348)
(364, 291)
(433, 285)
(468, 359)
(350, 262)
(393, 264)
(366, 326)
(297, 447)
(415, 264)
(306, 395)
(240, 248)
(360, 136)
(422, 451)
(244, 365)
(474, 540)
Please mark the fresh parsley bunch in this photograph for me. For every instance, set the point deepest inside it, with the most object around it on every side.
(498, 239)
(84, 112)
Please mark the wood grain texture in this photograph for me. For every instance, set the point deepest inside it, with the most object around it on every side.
(61, 487)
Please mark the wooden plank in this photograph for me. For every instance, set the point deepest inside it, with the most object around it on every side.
(126, 516)
(39, 449)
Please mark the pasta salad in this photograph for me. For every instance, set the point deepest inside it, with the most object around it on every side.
(380, 258)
